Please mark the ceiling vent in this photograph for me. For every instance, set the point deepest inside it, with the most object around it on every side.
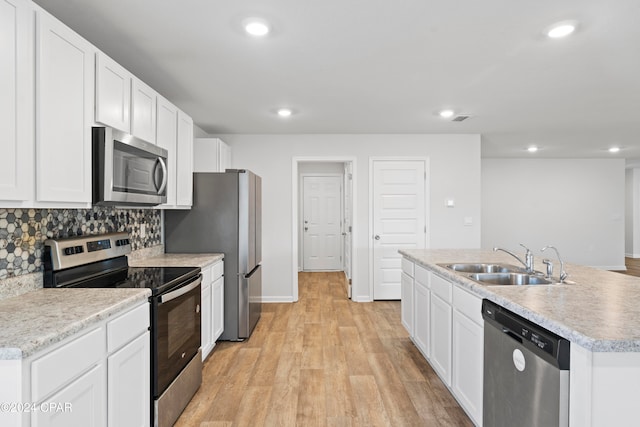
(460, 118)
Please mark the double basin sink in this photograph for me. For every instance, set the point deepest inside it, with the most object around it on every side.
(498, 274)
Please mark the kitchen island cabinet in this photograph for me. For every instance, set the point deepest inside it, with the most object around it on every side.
(597, 312)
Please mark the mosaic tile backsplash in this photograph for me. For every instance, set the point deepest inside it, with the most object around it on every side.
(23, 232)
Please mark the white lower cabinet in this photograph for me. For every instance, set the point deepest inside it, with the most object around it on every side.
(468, 342)
(206, 322)
(448, 329)
(128, 384)
(212, 313)
(441, 338)
(81, 403)
(406, 302)
(218, 307)
(422, 332)
(441, 296)
(97, 377)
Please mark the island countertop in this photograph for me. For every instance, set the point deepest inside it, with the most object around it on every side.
(35, 320)
(600, 311)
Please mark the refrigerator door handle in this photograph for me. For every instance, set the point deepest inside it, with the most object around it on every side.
(249, 274)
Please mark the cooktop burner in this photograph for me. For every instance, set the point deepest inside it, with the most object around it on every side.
(158, 279)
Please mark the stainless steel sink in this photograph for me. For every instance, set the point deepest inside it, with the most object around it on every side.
(512, 279)
(483, 268)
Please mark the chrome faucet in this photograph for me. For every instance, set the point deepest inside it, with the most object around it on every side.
(528, 257)
(563, 274)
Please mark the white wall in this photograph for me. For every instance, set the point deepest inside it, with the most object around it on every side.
(455, 172)
(577, 205)
(632, 213)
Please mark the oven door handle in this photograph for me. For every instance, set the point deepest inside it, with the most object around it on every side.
(180, 291)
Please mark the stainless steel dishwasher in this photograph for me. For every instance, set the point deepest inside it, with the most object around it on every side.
(526, 372)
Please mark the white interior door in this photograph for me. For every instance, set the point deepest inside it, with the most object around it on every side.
(322, 229)
(399, 219)
(348, 218)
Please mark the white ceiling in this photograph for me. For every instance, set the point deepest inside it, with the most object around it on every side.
(386, 66)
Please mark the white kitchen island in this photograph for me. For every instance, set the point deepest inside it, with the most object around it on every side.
(599, 312)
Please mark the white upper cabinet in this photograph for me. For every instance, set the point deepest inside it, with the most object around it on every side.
(175, 134)
(143, 111)
(211, 155)
(16, 100)
(64, 106)
(113, 93)
(166, 137)
(123, 101)
(184, 159)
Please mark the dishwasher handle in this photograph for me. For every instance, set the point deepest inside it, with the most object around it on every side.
(512, 335)
(544, 343)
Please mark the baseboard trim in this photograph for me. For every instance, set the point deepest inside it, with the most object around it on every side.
(268, 300)
(632, 256)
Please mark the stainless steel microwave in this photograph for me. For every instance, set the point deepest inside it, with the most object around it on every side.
(126, 170)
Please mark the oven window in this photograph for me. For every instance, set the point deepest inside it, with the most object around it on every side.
(176, 336)
(181, 325)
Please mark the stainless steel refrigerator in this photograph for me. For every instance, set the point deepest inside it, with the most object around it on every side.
(226, 218)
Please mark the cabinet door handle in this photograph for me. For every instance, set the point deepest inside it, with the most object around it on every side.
(377, 237)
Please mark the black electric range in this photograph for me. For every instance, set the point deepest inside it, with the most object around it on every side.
(100, 261)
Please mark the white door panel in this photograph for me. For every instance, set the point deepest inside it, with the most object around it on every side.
(322, 215)
(399, 191)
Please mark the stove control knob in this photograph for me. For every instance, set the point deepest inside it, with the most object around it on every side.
(69, 251)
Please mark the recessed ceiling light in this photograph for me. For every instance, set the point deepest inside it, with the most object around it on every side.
(445, 114)
(285, 112)
(256, 27)
(532, 149)
(561, 29)
(614, 149)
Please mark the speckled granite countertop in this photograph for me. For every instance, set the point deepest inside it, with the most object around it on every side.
(600, 311)
(35, 320)
(176, 260)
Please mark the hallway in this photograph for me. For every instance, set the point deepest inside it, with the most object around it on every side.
(323, 361)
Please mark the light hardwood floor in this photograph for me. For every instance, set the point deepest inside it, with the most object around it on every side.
(323, 361)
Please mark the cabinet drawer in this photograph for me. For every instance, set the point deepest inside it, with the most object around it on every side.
(62, 365)
(422, 276)
(441, 287)
(407, 267)
(218, 270)
(126, 327)
(468, 304)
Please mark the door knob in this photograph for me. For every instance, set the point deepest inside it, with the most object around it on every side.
(376, 237)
